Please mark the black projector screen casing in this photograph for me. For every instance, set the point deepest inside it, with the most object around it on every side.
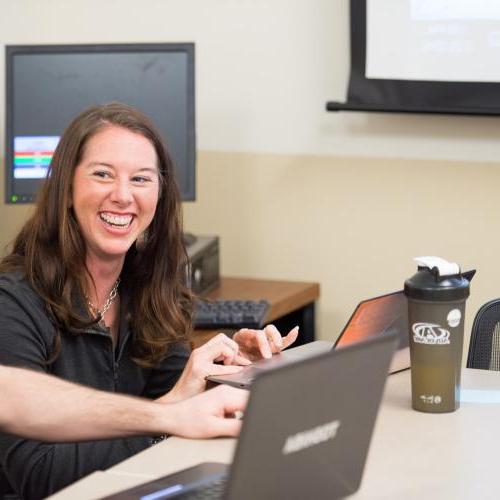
(364, 94)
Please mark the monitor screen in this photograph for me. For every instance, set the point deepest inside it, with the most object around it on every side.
(48, 85)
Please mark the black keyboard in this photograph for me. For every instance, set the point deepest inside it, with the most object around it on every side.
(233, 314)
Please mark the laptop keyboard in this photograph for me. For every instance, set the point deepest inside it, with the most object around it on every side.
(207, 491)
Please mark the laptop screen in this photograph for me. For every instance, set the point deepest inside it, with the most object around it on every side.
(377, 316)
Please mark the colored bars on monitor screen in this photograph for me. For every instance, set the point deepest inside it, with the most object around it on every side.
(32, 156)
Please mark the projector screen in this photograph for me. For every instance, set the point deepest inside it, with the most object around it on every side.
(435, 56)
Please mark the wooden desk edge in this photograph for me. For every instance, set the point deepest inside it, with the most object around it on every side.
(308, 295)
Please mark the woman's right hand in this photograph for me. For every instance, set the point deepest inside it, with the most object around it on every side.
(204, 361)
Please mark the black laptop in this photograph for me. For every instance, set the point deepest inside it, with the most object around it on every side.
(371, 318)
(305, 434)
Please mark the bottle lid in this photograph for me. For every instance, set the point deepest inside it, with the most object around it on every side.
(437, 280)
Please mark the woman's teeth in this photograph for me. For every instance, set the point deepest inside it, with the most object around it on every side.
(116, 220)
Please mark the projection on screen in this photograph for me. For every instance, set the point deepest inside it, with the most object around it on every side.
(434, 40)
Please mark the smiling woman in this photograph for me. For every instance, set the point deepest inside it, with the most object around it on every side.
(93, 292)
(110, 166)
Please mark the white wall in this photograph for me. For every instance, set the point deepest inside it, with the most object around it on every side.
(264, 72)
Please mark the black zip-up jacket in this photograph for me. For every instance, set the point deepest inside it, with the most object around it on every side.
(35, 469)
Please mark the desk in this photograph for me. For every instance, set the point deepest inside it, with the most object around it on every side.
(292, 303)
(412, 456)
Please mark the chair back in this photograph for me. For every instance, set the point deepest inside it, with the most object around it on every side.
(484, 346)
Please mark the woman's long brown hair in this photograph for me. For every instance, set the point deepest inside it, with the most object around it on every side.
(50, 249)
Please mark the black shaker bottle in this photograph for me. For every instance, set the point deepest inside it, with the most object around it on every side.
(436, 309)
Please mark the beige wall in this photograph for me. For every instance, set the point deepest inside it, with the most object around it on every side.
(349, 223)
(294, 192)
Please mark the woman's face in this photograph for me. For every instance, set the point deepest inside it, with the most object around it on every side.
(115, 191)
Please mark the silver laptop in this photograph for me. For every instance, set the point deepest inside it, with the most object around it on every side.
(371, 318)
(305, 434)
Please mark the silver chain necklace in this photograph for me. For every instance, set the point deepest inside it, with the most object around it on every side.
(112, 294)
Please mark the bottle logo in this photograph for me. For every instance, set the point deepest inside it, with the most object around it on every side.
(454, 317)
(430, 333)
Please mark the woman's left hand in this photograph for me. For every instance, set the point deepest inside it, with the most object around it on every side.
(258, 344)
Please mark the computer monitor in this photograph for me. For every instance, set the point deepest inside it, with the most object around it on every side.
(48, 85)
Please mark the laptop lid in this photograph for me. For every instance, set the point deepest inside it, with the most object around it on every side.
(372, 317)
(306, 431)
(308, 425)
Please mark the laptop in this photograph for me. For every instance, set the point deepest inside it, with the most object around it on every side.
(371, 318)
(306, 432)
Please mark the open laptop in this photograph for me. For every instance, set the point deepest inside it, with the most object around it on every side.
(305, 434)
(371, 318)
